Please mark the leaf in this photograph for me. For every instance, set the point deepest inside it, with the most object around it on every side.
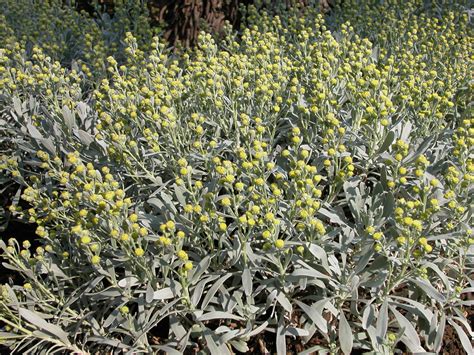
(218, 315)
(467, 303)
(410, 335)
(467, 290)
(163, 294)
(214, 349)
(247, 281)
(82, 109)
(387, 142)
(388, 204)
(107, 293)
(319, 253)
(372, 333)
(413, 307)
(284, 302)
(107, 341)
(466, 343)
(280, 337)
(376, 281)
(333, 217)
(353, 196)
(201, 268)
(168, 350)
(405, 130)
(257, 330)
(155, 202)
(69, 118)
(33, 131)
(168, 201)
(176, 328)
(461, 318)
(345, 334)
(86, 138)
(375, 53)
(315, 316)
(14, 268)
(111, 318)
(212, 291)
(382, 322)
(149, 293)
(440, 333)
(227, 333)
(48, 144)
(368, 316)
(363, 261)
(240, 345)
(297, 332)
(183, 340)
(128, 282)
(423, 147)
(179, 192)
(317, 349)
(17, 106)
(441, 274)
(197, 291)
(44, 326)
(429, 290)
(310, 273)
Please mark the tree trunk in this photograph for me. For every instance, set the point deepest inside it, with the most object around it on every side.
(184, 19)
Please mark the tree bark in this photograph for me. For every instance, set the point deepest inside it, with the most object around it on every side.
(184, 19)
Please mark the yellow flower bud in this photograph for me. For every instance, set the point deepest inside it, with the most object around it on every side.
(279, 244)
(139, 252)
(188, 266)
(182, 255)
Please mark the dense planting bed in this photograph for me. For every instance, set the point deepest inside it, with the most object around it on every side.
(304, 184)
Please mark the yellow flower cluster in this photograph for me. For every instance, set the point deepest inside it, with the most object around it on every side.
(286, 156)
(87, 209)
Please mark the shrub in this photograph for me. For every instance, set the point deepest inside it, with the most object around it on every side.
(307, 177)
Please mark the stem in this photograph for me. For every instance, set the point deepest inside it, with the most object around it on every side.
(29, 333)
(244, 252)
(402, 274)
